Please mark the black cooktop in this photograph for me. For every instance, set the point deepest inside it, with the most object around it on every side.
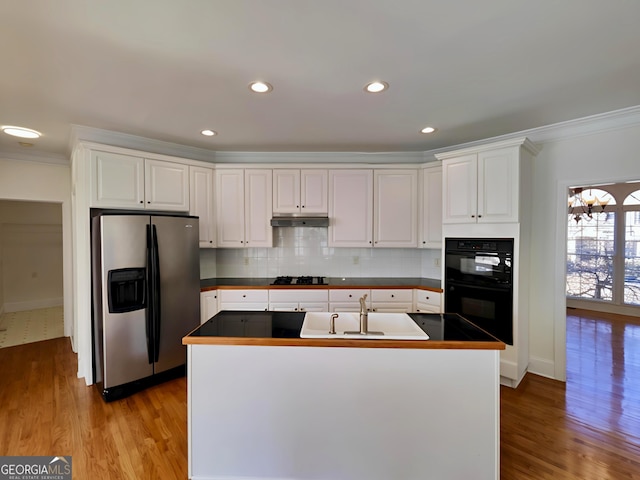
(303, 280)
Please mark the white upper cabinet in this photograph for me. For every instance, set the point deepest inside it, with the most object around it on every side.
(166, 185)
(201, 203)
(373, 208)
(243, 208)
(117, 181)
(258, 208)
(430, 211)
(395, 218)
(460, 189)
(298, 191)
(230, 208)
(351, 208)
(483, 186)
(127, 181)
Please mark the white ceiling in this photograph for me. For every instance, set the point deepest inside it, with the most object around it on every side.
(166, 69)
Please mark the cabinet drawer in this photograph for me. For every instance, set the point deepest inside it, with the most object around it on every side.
(429, 298)
(348, 295)
(298, 295)
(392, 295)
(241, 296)
(426, 308)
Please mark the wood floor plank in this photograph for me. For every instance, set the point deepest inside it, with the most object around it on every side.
(585, 429)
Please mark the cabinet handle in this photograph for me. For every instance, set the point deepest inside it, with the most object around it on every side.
(424, 241)
(473, 216)
(141, 201)
(392, 295)
(369, 241)
(302, 206)
(244, 296)
(350, 295)
(210, 241)
(149, 202)
(297, 206)
(479, 216)
(427, 298)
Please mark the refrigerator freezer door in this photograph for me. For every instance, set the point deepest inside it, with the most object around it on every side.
(179, 272)
(125, 354)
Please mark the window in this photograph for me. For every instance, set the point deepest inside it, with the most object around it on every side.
(591, 245)
(603, 249)
(632, 249)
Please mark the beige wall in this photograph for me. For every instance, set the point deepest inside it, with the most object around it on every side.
(31, 255)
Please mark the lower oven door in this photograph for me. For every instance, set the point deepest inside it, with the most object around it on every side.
(489, 307)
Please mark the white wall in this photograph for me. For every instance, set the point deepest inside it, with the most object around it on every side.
(44, 182)
(31, 255)
(610, 156)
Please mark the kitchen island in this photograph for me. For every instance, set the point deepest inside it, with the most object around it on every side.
(264, 403)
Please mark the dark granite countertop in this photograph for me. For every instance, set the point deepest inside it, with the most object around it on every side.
(332, 282)
(260, 328)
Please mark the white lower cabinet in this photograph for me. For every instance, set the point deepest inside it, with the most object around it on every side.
(296, 300)
(348, 300)
(391, 300)
(208, 304)
(427, 301)
(256, 299)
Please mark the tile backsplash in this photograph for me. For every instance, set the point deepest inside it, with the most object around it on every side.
(305, 251)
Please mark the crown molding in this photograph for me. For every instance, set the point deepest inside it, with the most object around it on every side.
(614, 120)
(593, 124)
(319, 157)
(81, 133)
(23, 154)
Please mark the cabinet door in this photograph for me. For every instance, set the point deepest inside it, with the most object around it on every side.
(286, 191)
(230, 208)
(395, 216)
(498, 186)
(313, 191)
(350, 208)
(313, 307)
(283, 306)
(201, 203)
(459, 189)
(431, 215)
(258, 208)
(117, 181)
(208, 305)
(166, 185)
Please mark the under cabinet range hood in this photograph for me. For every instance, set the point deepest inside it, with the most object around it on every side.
(300, 222)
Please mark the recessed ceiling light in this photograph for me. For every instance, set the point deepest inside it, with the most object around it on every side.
(428, 130)
(260, 87)
(208, 133)
(376, 87)
(21, 132)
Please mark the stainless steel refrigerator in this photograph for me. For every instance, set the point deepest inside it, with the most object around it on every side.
(146, 297)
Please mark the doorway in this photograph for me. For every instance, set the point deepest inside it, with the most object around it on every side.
(31, 272)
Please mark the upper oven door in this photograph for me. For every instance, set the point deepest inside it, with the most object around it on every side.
(479, 261)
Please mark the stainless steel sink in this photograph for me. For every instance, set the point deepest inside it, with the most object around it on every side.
(393, 326)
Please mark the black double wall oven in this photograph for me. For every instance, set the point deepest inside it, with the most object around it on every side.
(479, 283)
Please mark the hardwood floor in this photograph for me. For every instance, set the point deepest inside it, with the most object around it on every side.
(47, 410)
(587, 429)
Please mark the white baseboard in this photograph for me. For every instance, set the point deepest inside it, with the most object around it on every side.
(542, 367)
(33, 304)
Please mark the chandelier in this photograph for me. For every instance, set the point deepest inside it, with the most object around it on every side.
(583, 203)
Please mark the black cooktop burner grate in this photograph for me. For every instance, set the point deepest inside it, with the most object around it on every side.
(302, 280)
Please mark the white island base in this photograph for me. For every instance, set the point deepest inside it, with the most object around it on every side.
(294, 412)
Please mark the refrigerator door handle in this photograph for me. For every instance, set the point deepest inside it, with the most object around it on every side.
(155, 269)
(150, 303)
